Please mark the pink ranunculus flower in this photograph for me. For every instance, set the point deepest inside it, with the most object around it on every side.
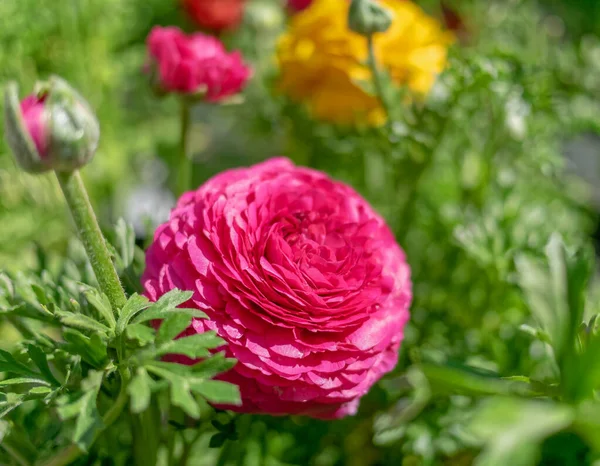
(298, 5)
(36, 121)
(300, 276)
(195, 63)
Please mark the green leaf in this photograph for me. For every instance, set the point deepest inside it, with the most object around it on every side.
(23, 380)
(555, 293)
(172, 326)
(139, 391)
(193, 346)
(217, 391)
(40, 294)
(92, 349)
(9, 364)
(512, 429)
(471, 381)
(37, 391)
(125, 236)
(167, 305)
(30, 311)
(213, 366)
(181, 395)
(82, 322)
(179, 369)
(156, 314)
(13, 400)
(587, 423)
(40, 360)
(135, 304)
(101, 304)
(141, 333)
(89, 421)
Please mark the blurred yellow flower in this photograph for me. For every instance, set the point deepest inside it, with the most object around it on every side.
(323, 63)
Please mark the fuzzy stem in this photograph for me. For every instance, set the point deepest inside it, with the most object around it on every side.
(72, 452)
(91, 237)
(377, 80)
(185, 169)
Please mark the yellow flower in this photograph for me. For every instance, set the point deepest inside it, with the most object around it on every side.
(323, 63)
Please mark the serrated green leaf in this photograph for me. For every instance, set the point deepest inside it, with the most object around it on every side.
(89, 421)
(167, 305)
(179, 369)
(193, 346)
(213, 366)
(101, 304)
(40, 294)
(92, 349)
(141, 333)
(171, 327)
(156, 314)
(139, 391)
(40, 359)
(135, 304)
(181, 395)
(9, 364)
(217, 391)
(82, 322)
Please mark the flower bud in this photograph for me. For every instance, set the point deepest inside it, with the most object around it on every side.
(366, 17)
(52, 129)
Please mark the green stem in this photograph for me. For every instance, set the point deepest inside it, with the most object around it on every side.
(72, 452)
(377, 80)
(91, 237)
(185, 169)
(16, 455)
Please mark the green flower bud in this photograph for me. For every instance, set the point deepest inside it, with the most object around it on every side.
(52, 129)
(366, 17)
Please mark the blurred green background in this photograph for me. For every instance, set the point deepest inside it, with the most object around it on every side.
(503, 154)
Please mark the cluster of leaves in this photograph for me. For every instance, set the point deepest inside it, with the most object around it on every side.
(472, 181)
(84, 363)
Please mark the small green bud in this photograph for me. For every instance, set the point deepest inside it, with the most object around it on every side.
(52, 129)
(366, 17)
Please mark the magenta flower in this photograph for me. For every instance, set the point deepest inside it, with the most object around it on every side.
(298, 5)
(195, 64)
(298, 274)
(36, 121)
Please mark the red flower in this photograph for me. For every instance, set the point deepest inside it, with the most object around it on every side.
(298, 5)
(298, 274)
(195, 63)
(215, 15)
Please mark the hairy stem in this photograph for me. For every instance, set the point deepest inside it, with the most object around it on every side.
(91, 236)
(184, 173)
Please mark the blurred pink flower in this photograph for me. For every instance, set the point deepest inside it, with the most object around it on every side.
(300, 276)
(36, 121)
(195, 63)
(298, 5)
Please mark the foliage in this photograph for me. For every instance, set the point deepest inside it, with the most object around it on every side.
(499, 363)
